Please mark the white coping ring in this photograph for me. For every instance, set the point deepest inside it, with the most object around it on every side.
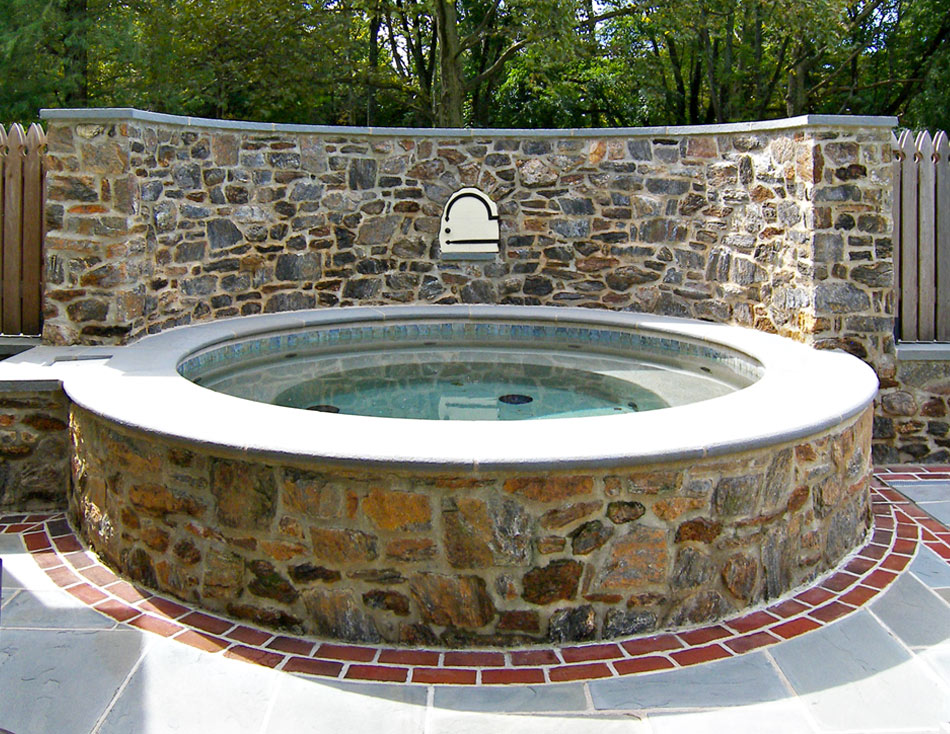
(803, 392)
(792, 123)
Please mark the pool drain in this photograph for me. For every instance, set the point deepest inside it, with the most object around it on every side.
(324, 408)
(516, 399)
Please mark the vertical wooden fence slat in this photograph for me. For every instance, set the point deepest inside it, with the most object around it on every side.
(942, 220)
(3, 216)
(21, 229)
(908, 234)
(32, 254)
(13, 229)
(926, 244)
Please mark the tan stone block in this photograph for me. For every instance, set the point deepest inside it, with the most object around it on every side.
(551, 544)
(739, 576)
(636, 559)
(154, 538)
(187, 552)
(94, 489)
(558, 518)
(460, 601)
(596, 264)
(281, 551)
(351, 504)
(701, 530)
(411, 549)
(722, 174)
(310, 494)
(810, 164)
(398, 510)
(245, 494)
(468, 533)
(202, 531)
(624, 511)
(176, 579)
(647, 482)
(130, 456)
(225, 149)
(103, 157)
(129, 519)
(701, 147)
(596, 152)
(343, 546)
(806, 452)
(783, 150)
(290, 527)
(673, 508)
(552, 488)
(829, 493)
(797, 499)
(128, 305)
(761, 193)
(155, 499)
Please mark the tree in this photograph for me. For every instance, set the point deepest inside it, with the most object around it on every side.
(44, 55)
(480, 62)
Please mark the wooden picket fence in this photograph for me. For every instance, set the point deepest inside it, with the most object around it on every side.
(21, 229)
(922, 235)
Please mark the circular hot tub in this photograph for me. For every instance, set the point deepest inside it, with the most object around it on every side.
(481, 475)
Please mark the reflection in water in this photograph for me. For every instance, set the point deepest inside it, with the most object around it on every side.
(465, 383)
(470, 391)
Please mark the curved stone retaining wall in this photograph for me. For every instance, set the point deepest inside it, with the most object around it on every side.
(456, 559)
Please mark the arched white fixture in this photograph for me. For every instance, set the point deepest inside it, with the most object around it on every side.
(469, 227)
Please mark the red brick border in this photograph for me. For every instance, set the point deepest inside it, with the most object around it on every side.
(899, 525)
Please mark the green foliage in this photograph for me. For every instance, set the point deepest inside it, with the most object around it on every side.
(525, 63)
(42, 49)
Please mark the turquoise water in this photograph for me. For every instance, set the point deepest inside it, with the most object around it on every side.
(469, 371)
(451, 390)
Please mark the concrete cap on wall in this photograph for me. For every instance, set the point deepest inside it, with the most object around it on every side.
(792, 123)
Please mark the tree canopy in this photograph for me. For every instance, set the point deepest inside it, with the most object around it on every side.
(498, 63)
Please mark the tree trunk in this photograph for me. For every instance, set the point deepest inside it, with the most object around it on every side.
(449, 112)
(680, 97)
(374, 26)
(795, 97)
(77, 51)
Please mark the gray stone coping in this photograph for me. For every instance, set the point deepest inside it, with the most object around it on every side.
(792, 123)
(923, 351)
(802, 392)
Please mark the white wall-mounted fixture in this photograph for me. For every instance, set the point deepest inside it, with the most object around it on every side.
(469, 227)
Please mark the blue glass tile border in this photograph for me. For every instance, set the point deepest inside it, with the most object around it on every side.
(349, 337)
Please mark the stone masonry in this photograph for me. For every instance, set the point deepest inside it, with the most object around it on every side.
(469, 559)
(154, 222)
(34, 446)
(912, 423)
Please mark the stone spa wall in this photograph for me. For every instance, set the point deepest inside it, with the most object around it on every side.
(34, 445)
(469, 559)
(155, 221)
